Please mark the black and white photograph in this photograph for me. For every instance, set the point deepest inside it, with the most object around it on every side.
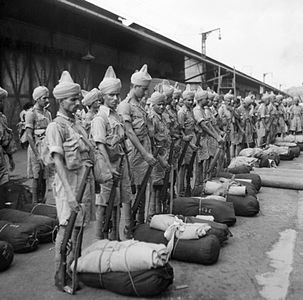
(151, 149)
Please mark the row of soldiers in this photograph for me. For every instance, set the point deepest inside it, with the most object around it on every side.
(174, 133)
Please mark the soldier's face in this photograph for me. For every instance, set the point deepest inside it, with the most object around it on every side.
(188, 102)
(70, 104)
(111, 100)
(159, 107)
(43, 101)
(140, 90)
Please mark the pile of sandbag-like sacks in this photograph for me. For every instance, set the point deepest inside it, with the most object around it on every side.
(198, 226)
(22, 231)
(286, 148)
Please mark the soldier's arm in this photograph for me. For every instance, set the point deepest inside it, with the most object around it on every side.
(29, 127)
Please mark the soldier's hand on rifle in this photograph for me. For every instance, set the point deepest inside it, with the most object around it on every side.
(193, 146)
(150, 159)
(72, 202)
(187, 138)
(220, 140)
(115, 173)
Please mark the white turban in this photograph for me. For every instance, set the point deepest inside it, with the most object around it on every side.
(91, 97)
(265, 96)
(3, 93)
(141, 77)
(248, 100)
(210, 94)
(66, 87)
(188, 93)
(110, 82)
(200, 94)
(177, 91)
(228, 96)
(156, 97)
(167, 88)
(279, 97)
(39, 92)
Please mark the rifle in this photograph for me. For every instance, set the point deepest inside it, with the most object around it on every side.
(163, 193)
(140, 194)
(62, 276)
(190, 167)
(215, 159)
(181, 158)
(111, 200)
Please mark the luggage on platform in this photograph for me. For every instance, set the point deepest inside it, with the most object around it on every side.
(288, 156)
(6, 255)
(41, 209)
(220, 230)
(203, 251)
(240, 170)
(22, 236)
(223, 212)
(44, 226)
(247, 206)
(255, 178)
(146, 283)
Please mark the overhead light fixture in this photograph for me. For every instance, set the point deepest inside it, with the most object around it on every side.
(88, 56)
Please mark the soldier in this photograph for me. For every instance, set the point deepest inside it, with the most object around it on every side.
(263, 119)
(92, 100)
(135, 119)
(5, 148)
(295, 113)
(161, 135)
(36, 121)
(108, 133)
(246, 122)
(69, 148)
(273, 121)
(187, 125)
(281, 130)
(207, 133)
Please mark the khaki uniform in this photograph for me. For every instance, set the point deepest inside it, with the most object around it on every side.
(296, 118)
(131, 111)
(64, 136)
(37, 121)
(187, 124)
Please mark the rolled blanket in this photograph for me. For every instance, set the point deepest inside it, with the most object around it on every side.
(113, 256)
(255, 178)
(223, 187)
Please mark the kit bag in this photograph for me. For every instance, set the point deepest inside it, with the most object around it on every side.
(223, 212)
(22, 236)
(203, 251)
(41, 209)
(255, 178)
(239, 170)
(245, 206)
(220, 230)
(146, 283)
(44, 226)
(6, 255)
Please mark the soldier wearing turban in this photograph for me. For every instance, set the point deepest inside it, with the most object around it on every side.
(135, 119)
(36, 122)
(68, 146)
(92, 100)
(108, 133)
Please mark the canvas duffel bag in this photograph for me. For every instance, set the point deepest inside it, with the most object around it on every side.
(22, 236)
(45, 226)
(203, 251)
(223, 212)
(6, 255)
(247, 206)
(134, 284)
(255, 178)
